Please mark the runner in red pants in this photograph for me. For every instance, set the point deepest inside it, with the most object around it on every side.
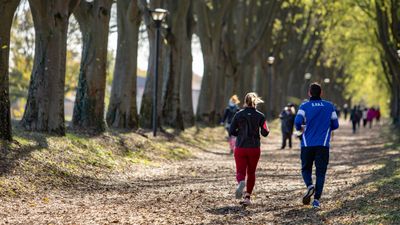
(246, 126)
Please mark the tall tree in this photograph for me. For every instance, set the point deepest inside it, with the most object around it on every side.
(246, 31)
(44, 110)
(176, 35)
(7, 10)
(122, 110)
(187, 70)
(209, 29)
(388, 32)
(93, 18)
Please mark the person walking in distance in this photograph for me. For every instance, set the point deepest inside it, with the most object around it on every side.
(370, 116)
(359, 114)
(321, 120)
(287, 117)
(364, 116)
(230, 112)
(246, 126)
(354, 118)
(345, 111)
(377, 115)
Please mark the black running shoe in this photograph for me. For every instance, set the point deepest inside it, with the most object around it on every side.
(309, 193)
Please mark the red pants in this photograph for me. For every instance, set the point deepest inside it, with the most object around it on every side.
(247, 159)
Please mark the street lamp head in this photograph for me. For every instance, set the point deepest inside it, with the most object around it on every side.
(327, 80)
(158, 15)
(271, 59)
(398, 52)
(307, 76)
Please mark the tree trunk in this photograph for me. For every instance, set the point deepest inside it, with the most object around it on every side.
(223, 99)
(209, 31)
(44, 110)
(93, 18)
(146, 108)
(187, 71)
(7, 9)
(122, 111)
(186, 84)
(176, 36)
(260, 87)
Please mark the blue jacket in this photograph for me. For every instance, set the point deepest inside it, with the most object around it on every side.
(321, 119)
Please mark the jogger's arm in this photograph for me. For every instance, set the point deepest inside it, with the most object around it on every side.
(334, 120)
(298, 121)
(264, 127)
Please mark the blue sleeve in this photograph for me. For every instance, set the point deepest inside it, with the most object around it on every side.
(299, 118)
(225, 115)
(334, 120)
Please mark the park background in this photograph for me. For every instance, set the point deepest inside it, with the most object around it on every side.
(76, 99)
(337, 41)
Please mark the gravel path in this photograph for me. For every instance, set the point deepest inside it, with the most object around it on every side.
(201, 190)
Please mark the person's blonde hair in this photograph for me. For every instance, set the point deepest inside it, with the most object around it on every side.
(234, 98)
(252, 99)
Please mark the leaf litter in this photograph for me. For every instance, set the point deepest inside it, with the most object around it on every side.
(197, 188)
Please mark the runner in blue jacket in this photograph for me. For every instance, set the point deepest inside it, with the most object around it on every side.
(321, 120)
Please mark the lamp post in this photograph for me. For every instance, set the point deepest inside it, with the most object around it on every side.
(326, 81)
(396, 119)
(158, 16)
(271, 60)
(307, 77)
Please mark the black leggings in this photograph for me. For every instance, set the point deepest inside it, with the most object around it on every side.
(354, 126)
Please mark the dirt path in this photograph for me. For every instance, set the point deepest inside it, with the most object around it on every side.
(201, 190)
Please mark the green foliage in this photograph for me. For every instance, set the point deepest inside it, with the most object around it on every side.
(351, 43)
(21, 57)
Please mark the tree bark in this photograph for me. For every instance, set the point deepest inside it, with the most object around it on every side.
(187, 70)
(122, 110)
(209, 25)
(7, 9)
(93, 18)
(146, 108)
(172, 75)
(44, 110)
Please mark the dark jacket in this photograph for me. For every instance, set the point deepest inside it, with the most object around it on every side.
(246, 126)
(353, 116)
(287, 122)
(230, 113)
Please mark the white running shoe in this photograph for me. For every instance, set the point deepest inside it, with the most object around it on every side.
(239, 190)
(309, 193)
(247, 201)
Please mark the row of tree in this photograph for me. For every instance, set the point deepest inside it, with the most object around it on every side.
(236, 36)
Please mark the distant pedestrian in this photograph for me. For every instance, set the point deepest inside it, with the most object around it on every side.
(354, 118)
(370, 116)
(364, 116)
(321, 120)
(246, 127)
(230, 112)
(359, 114)
(337, 109)
(377, 115)
(345, 111)
(287, 117)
